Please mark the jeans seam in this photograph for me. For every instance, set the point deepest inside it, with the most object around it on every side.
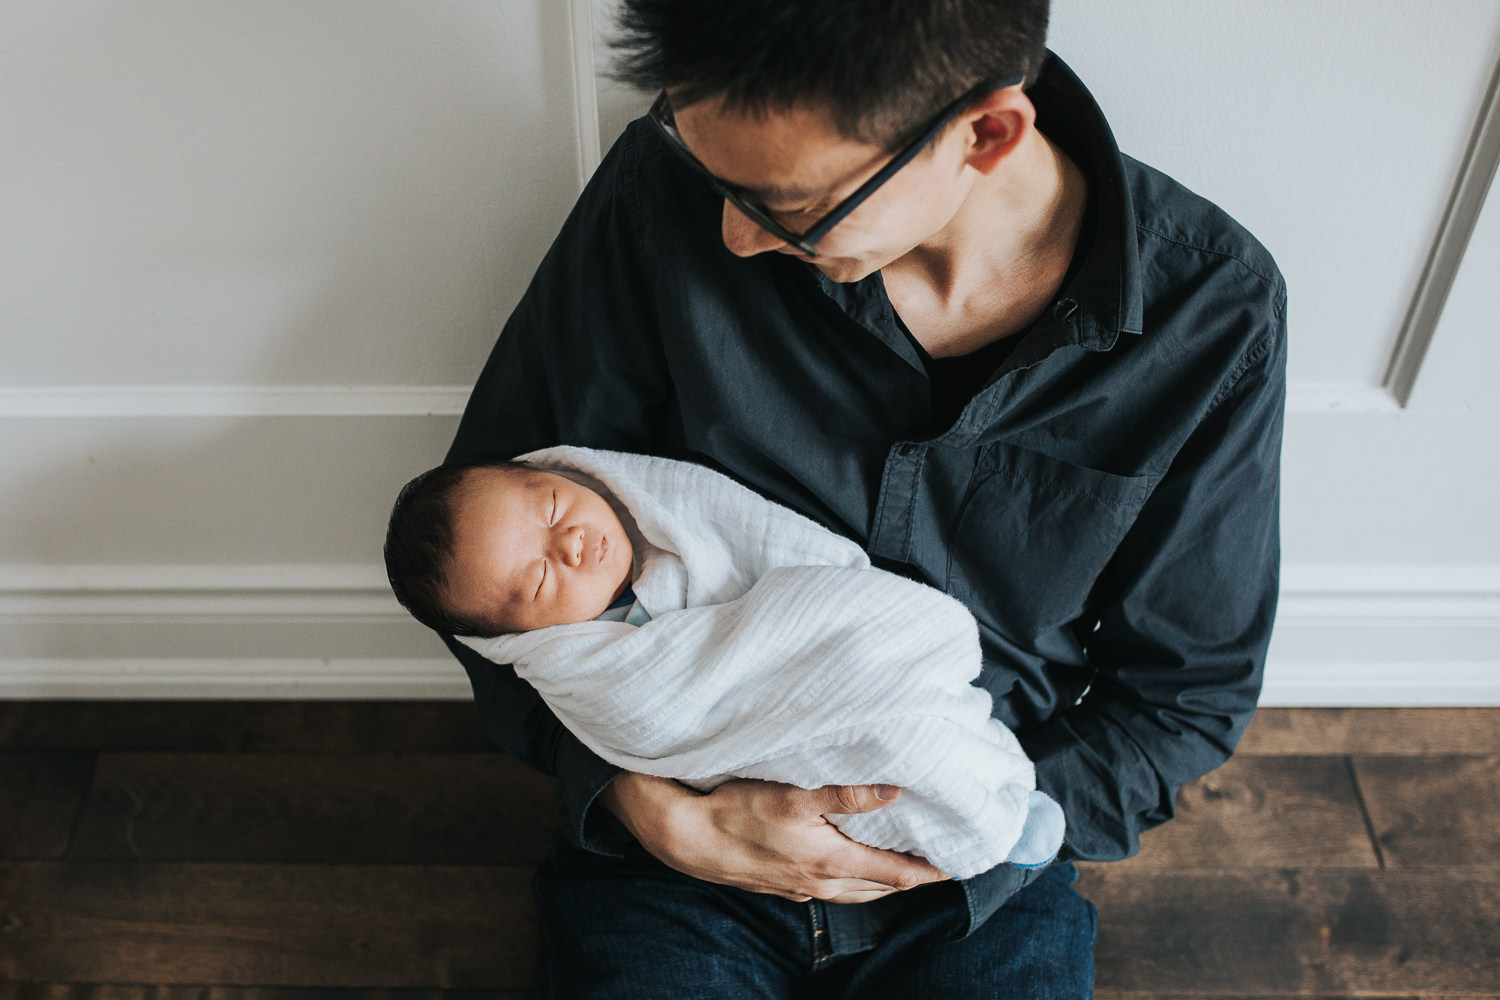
(822, 951)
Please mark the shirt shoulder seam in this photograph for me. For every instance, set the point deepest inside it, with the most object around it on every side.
(1254, 354)
(1267, 278)
(629, 195)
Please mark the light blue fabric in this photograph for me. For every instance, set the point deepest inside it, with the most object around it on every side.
(1042, 833)
(626, 609)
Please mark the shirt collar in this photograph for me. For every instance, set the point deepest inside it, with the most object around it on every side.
(1104, 298)
(1107, 286)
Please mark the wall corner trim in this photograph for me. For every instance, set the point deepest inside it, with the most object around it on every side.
(585, 88)
(1475, 176)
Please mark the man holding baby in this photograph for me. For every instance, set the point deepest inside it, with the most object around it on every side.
(882, 262)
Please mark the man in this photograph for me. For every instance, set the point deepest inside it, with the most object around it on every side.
(882, 262)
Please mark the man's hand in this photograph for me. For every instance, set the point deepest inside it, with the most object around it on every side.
(765, 837)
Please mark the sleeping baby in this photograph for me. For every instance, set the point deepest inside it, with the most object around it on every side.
(680, 625)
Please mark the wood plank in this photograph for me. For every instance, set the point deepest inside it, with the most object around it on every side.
(40, 795)
(448, 808)
(1102, 994)
(1434, 812)
(327, 726)
(140, 991)
(365, 926)
(1309, 933)
(1398, 731)
(1262, 812)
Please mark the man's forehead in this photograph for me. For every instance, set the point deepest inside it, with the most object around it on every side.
(775, 155)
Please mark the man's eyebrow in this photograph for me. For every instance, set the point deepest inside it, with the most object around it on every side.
(774, 195)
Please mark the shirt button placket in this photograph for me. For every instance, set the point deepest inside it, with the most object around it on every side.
(890, 535)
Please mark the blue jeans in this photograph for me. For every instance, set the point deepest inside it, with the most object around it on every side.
(634, 928)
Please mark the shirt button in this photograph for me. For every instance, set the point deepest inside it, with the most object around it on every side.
(906, 450)
(1064, 308)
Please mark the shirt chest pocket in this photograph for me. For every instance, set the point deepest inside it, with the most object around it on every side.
(1033, 534)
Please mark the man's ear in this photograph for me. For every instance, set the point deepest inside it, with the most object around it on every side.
(994, 126)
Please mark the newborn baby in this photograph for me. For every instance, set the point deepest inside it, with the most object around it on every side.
(680, 625)
(529, 549)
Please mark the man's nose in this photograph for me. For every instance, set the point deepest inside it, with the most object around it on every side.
(744, 237)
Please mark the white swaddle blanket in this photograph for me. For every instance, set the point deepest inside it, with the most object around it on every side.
(775, 651)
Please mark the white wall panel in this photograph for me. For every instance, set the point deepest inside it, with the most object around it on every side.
(1332, 130)
(275, 192)
(1415, 489)
(210, 490)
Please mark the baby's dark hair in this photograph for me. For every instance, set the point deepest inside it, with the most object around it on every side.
(419, 546)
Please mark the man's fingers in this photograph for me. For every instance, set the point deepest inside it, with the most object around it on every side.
(860, 896)
(887, 868)
(845, 799)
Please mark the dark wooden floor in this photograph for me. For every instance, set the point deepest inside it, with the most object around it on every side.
(303, 851)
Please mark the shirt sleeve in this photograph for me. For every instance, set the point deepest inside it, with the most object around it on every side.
(1186, 608)
(578, 362)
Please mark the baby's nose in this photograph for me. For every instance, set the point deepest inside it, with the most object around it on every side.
(570, 546)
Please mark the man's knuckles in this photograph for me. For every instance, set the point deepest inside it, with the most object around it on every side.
(902, 880)
(847, 798)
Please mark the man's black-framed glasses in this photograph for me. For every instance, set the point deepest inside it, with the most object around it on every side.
(661, 116)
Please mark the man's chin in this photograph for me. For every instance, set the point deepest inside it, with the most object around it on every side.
(844, 271)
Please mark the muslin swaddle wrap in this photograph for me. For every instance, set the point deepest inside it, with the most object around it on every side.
(775, 651)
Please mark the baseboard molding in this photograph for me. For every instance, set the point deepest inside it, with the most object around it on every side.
(1346, 635)
(409, 679)
(214, 632)
(1406, 684)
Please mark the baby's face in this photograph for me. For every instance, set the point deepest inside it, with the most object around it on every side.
(533, 549)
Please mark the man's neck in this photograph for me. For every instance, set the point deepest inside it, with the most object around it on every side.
(1000, 261)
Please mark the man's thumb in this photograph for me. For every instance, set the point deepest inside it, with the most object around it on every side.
(844, 799)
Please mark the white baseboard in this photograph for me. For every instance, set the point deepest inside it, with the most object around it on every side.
(214, 632)
(411, 679)
(1386, 636)
(1346, 636)
(1381, 685)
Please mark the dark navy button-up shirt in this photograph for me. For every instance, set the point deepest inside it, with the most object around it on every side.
(1106, 502)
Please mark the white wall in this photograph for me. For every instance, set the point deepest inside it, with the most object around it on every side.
(247, 251)
(252, 256)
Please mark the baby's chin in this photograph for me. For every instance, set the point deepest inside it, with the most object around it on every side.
(618, 592)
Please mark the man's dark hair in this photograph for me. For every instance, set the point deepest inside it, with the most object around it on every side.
(882, 67)
(419, 546)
